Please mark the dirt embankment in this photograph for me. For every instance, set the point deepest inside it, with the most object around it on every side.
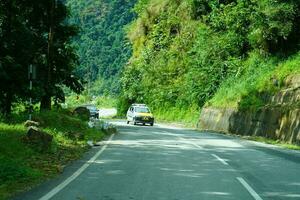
(278, 119)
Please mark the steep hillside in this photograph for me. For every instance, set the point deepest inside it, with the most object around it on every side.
(194, 53)
(265, 105)
(102, 46)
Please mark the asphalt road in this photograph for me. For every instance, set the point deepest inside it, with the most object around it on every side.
(165, 163)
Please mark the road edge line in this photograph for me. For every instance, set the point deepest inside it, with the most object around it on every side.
(62, 185)
(249, 188)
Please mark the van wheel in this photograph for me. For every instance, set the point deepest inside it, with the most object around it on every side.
(134, 123)
(127, 122)
(151, 124)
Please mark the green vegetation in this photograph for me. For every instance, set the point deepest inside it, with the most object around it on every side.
(102, 46)
(261, 76)
(105, 102)
(99, 101)
(35, 33)
(178, 57)
(41, 34)
(187, 117)
(192, 53)
(23, 166)
(273, 142)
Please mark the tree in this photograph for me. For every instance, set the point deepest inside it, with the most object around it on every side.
(23, 26)
(102, 45)
(60, 56)
(15, 46)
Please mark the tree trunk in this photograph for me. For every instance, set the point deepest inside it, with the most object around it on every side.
(46, 99)
(6, 104)
(45, 103)
(8, 95)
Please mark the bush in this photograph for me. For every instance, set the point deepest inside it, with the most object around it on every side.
(12, 170)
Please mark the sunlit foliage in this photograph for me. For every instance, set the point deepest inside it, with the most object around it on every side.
(183, 51)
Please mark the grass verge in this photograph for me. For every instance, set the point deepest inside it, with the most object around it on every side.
(22, 166)
(273, 142)
(183, 117)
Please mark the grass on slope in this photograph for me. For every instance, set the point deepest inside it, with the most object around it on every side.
(22, 166)
(186, 117)
(273, 142)
(258, 76)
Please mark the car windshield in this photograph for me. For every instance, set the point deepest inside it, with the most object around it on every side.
(142, 110)
(91, 108)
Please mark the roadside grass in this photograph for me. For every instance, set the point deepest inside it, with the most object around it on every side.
(22, 166)
(273, 142)
(14, 157)
(187, 117)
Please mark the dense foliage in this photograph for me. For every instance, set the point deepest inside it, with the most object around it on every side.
(183, 51)
(35, 33)
(102, 46)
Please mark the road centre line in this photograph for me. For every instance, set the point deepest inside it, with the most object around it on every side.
(220, 159)
(248, 187)
(62, 185)
(200, 147)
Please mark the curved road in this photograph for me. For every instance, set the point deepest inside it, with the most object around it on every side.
(166, 163)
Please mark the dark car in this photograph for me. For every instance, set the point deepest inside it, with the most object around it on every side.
(94, 112)
(89, 110)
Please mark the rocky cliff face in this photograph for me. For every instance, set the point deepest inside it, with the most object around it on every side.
(278, 119)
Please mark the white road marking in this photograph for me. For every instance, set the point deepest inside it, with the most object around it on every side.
(190, 142)
(61, 186)
(250, 190)
(220, 159)
(187, 141)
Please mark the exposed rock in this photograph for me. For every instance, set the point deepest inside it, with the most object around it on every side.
(29, 123)
(82, 112)
(293, 81)
(267, 122)
(279, 119)
(40, 140)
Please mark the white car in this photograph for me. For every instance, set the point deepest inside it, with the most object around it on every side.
(140, 113)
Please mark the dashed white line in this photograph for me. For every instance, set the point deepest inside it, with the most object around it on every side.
(61, 186)
(220, 159)
(250, 190)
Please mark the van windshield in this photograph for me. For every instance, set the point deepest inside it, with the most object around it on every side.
(142, 110)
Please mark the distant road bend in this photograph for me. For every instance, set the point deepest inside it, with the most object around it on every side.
(167, 163)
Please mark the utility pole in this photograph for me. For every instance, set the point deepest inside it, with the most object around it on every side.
(30, 91)
(31, 77)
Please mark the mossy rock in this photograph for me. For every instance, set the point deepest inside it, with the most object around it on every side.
(39, 140)
(82, 112)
